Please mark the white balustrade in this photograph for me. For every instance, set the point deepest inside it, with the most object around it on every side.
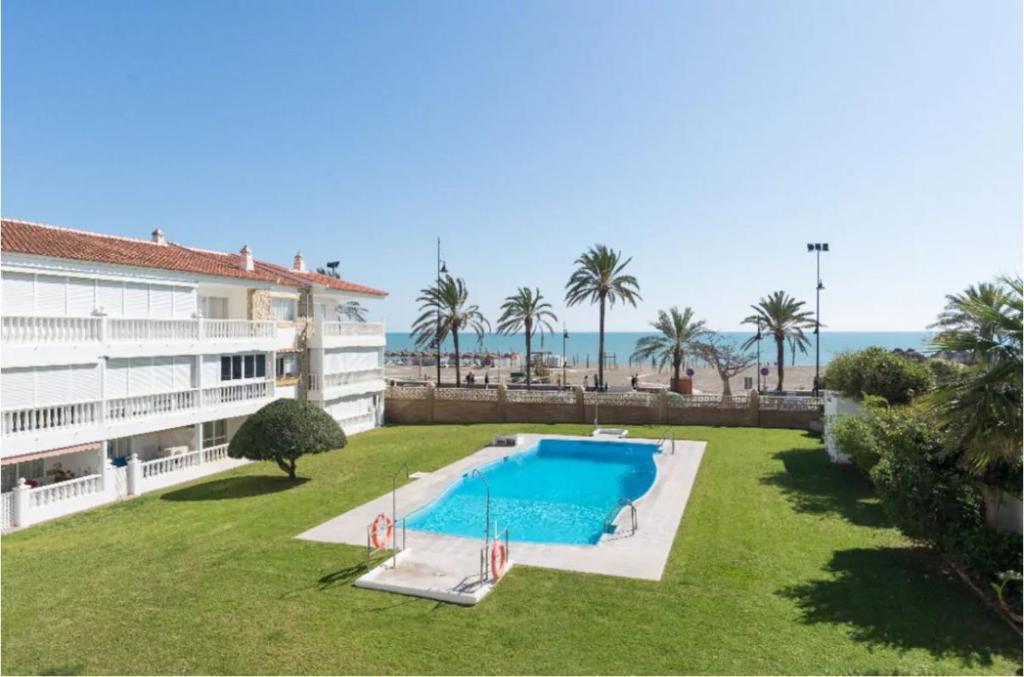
(128, 408)
(215, 453)
(50, 417)
(161, 466)
(238, 329)
(241, 392)
(347, 377)
(22, 329)
(124, 329)
(352, 421)
(7, 511)
(353, 328)
(63, 491)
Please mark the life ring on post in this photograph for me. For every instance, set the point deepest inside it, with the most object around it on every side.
(385, 522)
(499, 559)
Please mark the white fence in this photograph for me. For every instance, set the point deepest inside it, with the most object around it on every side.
(26, 506)
(50, 417)
(31, 329)
(352, 328)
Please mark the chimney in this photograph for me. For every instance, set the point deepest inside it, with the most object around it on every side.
(300, 263)
(158, 236)
(246, 262)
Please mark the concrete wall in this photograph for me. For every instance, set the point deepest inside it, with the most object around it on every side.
(425, 405)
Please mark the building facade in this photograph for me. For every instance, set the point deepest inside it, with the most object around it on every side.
(129, 364)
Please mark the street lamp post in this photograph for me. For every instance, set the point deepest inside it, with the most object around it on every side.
(817, 248)
(565, 337)
(758, 337)
(441, 268)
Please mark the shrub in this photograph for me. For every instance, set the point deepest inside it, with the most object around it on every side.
(944, 372)
(284, 430)
(876, 371)
(865, 438)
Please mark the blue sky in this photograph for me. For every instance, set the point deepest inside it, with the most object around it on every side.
(710, 141)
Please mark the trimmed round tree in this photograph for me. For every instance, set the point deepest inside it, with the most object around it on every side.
(284, 430)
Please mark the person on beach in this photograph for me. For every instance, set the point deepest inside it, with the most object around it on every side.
(586, 381)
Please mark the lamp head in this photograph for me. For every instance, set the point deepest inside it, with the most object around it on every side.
(810, 247)
(824, 246)
(444, 267)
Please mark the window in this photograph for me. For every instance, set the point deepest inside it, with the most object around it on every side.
(119, 448)
(288, 364)
(215, 433)
(214, 307)
(282, 309)
(30, 470)
(238, 367)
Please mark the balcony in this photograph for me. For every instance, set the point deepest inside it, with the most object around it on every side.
(33, 340)
(347, 334)
(332, 386)
(51, 426)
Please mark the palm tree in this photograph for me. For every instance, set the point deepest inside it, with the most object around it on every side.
(982, 405)
(526, 310)
(445, 310)
(352, 310)
(678, 332)
(599, 279)
(784, 318)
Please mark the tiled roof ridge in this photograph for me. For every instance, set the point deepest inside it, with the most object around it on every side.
(79, 231)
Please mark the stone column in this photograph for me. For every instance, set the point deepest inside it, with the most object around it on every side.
(502, 403)
(430, 403)
(662, 407)
(581, 407)
(755, 408)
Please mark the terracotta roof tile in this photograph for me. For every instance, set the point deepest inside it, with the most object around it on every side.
(26, 237)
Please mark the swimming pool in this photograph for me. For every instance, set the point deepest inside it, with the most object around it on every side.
(557, 491)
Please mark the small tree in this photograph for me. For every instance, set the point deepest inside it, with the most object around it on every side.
(727, 359)
(284, 430)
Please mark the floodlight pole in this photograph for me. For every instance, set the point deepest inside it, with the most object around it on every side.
(817, 248)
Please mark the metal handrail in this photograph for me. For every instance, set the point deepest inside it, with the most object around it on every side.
(487, 518)
(609, 519)
(671, 437)
(394, 509)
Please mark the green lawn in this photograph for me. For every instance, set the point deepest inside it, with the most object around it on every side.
(782, 564)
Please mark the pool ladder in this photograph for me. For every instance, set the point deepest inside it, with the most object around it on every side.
(609, 520)
(671, 438)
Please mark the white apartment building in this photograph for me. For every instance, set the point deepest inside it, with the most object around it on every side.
(128, 364)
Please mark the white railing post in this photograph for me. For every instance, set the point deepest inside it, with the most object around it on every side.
(202, 328)
(134, 475)
(21, 493)
(108, 483)
(197, 441)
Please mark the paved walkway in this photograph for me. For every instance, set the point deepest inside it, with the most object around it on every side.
(641, 555)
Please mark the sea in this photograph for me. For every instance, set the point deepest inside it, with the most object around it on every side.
(581, 347)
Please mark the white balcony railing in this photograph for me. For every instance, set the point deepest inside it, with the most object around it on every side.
(63, 491)
(215, 453)
(19, 329)
(128, 408)
(50, 417)
(352, 328)
(57, 417)
(30, 330)
(161, 466)
(346, 378)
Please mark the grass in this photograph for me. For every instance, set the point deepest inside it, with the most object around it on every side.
(783, 564)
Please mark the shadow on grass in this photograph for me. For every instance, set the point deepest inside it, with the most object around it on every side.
(235, 487)
(815, 485)
(899, 597)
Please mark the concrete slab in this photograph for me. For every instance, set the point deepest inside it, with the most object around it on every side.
(642, 554)
(431, 575)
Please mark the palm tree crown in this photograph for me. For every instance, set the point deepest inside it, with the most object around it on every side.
(679, 331)
(445, 310)
(783, 317)
(526, 311)
(599, 279)
(982, 406)
(353, 311)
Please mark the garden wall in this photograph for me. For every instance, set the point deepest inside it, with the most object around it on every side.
(419, 404)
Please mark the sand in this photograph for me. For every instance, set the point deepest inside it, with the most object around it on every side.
(705, 379)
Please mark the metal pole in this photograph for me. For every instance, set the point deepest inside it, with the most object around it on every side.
(394, 510)
(565, 336)
(437, 303)
(817, 324)
(759, 356)
(487, 520)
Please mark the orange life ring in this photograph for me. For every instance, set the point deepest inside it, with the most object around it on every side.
(499, 558)
(389, 530)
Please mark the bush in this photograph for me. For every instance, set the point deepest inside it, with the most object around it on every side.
(284, 430)
(944, 372)
(876, 371)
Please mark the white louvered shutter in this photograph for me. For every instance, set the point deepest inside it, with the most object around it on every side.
(81, 297)
(140, 377)
(136, 300)
(51, 295)
(161, 302)
(183, 373)
(110, 295)
(18, 389)
(85, 383)
(54, 384)
(184, 302)
(115, 383)
(18, 291)
(163, 374)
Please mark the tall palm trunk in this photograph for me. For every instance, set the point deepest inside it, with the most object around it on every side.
(458, 361)
(529, 362)
(780, 344)
(677, 365)
(600, 346)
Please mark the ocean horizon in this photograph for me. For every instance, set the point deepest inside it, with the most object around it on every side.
(582, 346)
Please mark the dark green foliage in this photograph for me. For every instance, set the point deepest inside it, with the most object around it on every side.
(283, 431)
(944, 372)
(876, 371)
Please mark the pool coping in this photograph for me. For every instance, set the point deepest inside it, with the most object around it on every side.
(642, 555)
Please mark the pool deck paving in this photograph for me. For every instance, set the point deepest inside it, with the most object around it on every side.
(448, 567)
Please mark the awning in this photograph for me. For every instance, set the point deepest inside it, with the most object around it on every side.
(88, 446)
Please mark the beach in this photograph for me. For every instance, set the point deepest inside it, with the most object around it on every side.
(705, 379)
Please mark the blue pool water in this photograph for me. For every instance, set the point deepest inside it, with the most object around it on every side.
(558, 491)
